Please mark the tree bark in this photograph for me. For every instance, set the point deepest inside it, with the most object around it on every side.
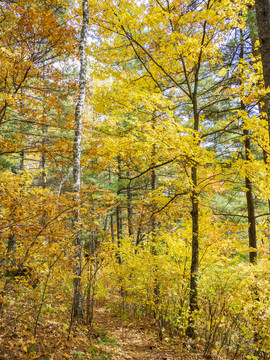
(153, 224)
(193, 294)
(249, 193)
(263, 23)
(129, 209)
(12, 241)
(43, 157)
(250, 207)
(78, 309)
(119, 225)
(111, 216)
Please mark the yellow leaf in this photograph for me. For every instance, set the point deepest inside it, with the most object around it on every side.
(222, 72)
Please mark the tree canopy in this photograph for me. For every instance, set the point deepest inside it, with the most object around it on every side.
(134, 170)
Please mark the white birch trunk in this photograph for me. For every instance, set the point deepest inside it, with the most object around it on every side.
(78, 309)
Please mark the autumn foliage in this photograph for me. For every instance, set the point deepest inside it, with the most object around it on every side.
(171, 219)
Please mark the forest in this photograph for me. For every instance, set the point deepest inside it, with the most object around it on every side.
(134, 179)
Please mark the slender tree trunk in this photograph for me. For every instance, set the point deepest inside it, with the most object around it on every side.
(43, 157)
(112, 229)
(153, 223)
(129, 209)
(249, 193)
(12, 244)
(44, 131)
(111, 216)
(153, 228)
(250, 207)
(193, 294)
(138, 235)
(78, 309)
(119, 224)
(22, 160)
(250, 204)
(43, 172)
(12, 241)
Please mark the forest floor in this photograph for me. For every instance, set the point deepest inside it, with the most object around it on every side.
(111, 337)
(137, 339)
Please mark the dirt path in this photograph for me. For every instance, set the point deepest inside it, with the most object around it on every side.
(135, 339)
(110, 338)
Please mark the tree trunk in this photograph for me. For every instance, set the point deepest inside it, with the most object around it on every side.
(250, 207)
(129, 209)
(78, 309)
(153, 224)
(22, 160)
(111, 216)
(12, 244)
(262, 109)
(119, 225)
(43, 157)
(12, 241)
(249, 194)
(193, 294)
(263, 23)
(153, 228)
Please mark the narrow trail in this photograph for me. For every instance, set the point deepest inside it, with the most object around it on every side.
(109, 338)
(136, 340)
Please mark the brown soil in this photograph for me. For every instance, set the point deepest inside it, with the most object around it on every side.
(110, 338)
(137, 339)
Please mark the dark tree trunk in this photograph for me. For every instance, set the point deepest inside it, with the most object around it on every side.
(263, 23)
(12, 241)
(249, 194)
(43, 157)
(193, 294)
(129, 209)
(250, 207)
(112, 229)
(153, 224)
(22, 160)
(119, 225)
(111, 216)
(12, 244)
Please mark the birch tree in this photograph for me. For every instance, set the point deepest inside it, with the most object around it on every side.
(78, 310)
